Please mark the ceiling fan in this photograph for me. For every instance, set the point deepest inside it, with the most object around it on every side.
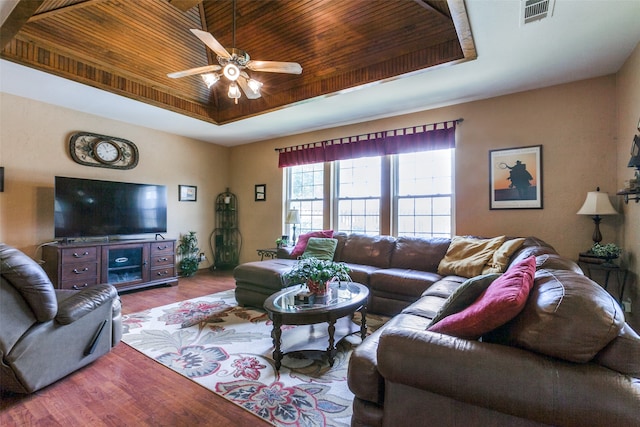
(232, 65)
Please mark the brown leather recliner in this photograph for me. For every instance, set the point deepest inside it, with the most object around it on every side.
(45, 333)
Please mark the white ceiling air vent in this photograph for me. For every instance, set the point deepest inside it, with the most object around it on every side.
(535, 10)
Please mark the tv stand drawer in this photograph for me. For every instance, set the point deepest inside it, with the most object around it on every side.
(162, 247)
(79, 254)
(162, 260)
(162, 273)
(77, 272)
(76, 286)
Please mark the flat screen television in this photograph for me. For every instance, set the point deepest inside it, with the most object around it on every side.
(93, 208)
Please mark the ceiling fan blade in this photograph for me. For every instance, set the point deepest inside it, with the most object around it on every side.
(192, 71)
(275, 67)
(244, 85)
(214, 45)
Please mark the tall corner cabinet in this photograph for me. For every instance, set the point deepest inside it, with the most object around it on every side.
(226, 239)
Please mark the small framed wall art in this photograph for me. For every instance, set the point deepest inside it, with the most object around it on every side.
(187, 193)
(261, 192)
(515, 176)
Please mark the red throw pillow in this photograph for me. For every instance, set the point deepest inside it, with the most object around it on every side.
(499, 303)
(304, 238)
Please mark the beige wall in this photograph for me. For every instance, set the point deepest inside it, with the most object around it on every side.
(34, 140)
(575, 124)
(585, 129)
(628, 102)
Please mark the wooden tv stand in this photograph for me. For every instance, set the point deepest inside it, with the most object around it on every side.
(126, 264)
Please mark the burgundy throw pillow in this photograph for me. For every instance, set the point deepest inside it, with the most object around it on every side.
(499, 303)
(304, 238)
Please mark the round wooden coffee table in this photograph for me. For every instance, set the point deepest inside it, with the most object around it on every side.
(346, 298)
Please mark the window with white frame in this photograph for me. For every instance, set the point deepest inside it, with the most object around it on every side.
(305, 192)
(358, 194)
(423, 196)
(417, 188)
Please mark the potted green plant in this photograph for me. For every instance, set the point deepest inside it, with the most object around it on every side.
(188, 251)
(316, 274)
(609, 251)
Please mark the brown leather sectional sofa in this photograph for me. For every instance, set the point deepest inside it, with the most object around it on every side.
(568, 359)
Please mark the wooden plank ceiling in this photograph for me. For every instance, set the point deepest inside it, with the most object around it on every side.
(128, 47)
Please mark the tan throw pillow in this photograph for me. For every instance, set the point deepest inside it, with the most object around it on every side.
(467, 256)
(498, 263)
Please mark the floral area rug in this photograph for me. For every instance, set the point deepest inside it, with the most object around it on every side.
(228, 349)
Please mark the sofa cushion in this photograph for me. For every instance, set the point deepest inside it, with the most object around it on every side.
(368, 250)
(556, 262)
(445, 286)
(364, 380)
(30, 280)
(301, 245)
(464, 295)
(402, 282)
(265, 274)
(427, 306)
(532, 246)
(417, 253)
(567, 316)
(467, 256)
(623, 353)
(321, 248)
(360, 273)
(500, 259)
(503, 299)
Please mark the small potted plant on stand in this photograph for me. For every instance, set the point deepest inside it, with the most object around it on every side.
(607, 252)
(188, 251)
(317, 274)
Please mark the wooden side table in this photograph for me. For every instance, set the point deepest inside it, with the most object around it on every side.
(269, 253)
(594, 267)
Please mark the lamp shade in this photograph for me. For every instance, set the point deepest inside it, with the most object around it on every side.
(210, 79)
(597, 203)
(293, 217)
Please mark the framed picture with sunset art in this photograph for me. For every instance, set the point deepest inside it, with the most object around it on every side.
(515, 176)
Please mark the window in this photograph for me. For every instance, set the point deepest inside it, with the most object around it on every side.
(358, 193)
(402, 195)
(306, 193)
(423, 197)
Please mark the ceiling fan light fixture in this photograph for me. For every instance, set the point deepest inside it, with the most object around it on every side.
(254, 85)
(231, 71)
(210, 79)
(234, 91)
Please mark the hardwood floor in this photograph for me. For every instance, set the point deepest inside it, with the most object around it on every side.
(125, 388)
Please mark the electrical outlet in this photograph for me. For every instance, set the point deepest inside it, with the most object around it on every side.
(626, 305)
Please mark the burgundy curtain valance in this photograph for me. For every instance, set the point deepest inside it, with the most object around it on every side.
(434, 136)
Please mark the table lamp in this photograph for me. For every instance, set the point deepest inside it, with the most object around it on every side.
(597, 204)
(293, 218)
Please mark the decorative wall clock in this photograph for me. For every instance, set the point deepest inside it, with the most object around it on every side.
(92, 149)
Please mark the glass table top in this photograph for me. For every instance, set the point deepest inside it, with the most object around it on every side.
(295, 298)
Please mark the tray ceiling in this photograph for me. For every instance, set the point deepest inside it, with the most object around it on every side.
(128, 47)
